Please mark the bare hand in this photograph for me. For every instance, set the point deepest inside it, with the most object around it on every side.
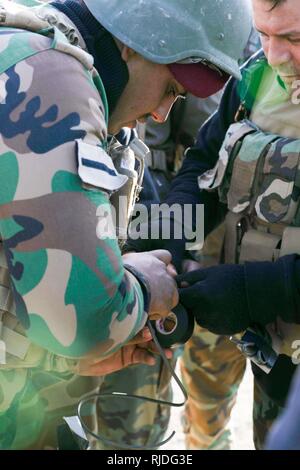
(156, 267)
(140, 350)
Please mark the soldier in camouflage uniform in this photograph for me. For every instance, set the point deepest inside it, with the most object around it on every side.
(68, 298)
(255, 178)
(63, 275)
(246, 164)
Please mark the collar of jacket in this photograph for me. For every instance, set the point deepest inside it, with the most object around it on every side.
(101, 45)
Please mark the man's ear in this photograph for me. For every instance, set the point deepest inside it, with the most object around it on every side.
(127, 53)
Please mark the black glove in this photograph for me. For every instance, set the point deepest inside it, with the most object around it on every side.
(227, 299)
(175, 246)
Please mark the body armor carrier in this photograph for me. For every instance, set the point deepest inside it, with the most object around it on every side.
(257, 176)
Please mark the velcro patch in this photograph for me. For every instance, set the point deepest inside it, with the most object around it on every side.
(95, 167)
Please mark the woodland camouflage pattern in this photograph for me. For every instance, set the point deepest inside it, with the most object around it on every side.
(257, 173)
(275, 159)
(71, 291)
(136, 422)
(212, 370)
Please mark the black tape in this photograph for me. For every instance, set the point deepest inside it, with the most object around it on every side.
(177, 328)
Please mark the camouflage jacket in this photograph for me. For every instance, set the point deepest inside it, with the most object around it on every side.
(250, 99)
(71, 290)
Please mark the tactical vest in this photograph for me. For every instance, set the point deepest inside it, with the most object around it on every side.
(34, 17)
(258, 177)
(12, 335)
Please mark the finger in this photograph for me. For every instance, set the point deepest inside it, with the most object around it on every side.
(171, 270)
(163, 255)
(189, 265)
(103, 368)
(125, 357)
(138, 356)
(192, 277)
(143, 357)
(141, 337)
(154, 316)
(151, 346)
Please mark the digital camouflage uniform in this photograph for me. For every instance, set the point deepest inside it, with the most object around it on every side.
(63, 274)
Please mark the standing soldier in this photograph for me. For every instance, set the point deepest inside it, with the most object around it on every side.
(245, 170)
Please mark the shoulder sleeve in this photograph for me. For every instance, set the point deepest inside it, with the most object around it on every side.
(72, 293)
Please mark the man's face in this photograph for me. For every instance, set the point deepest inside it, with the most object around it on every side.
(280, 35)
(151, 90)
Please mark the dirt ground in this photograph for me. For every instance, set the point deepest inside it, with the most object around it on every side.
(240, 424)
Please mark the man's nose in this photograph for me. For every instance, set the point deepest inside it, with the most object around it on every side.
(161, 113)
(278, 52)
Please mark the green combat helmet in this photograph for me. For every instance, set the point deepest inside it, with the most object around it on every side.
(184, 31)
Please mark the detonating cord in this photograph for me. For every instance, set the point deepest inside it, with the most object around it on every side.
(97, 396)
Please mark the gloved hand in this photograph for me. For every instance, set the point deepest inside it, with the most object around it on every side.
(227, 299)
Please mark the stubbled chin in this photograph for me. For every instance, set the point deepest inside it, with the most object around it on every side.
(290, 81)
(131, 124)
(289, 78)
